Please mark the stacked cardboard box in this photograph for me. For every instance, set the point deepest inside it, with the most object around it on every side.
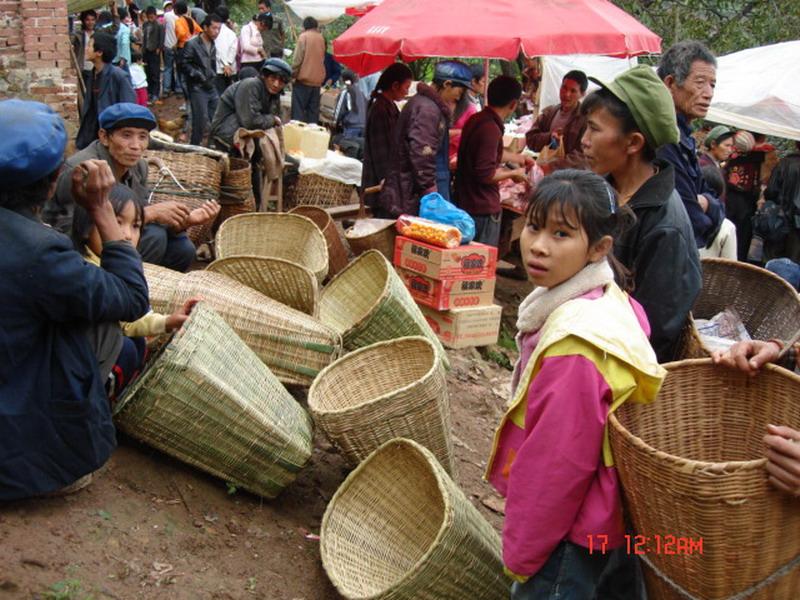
(454, 288)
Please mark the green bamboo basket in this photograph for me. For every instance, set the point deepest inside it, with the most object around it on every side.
(295, 346)
(399, 528)
(209, 401)
(368, 303)
(384, 391)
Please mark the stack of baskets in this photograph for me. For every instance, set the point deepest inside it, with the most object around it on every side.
(693, 472)
(768, 305)
(337, 252)
(207, 400)
(200, 177)
(405, 395)
(236, 191)
(399, 528)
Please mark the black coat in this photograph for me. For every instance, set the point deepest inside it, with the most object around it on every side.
(379, 136)
(661, 253)
(199, 63)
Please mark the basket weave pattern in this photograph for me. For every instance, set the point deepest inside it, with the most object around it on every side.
(387, 390)
(398, 528)
(161, 285)
(692, 464)
(337, 252)
(316, 190)
(382, 240)
(236, 193)
(208, 400)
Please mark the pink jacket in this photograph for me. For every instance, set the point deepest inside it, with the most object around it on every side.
(251, 43)
(557, 486)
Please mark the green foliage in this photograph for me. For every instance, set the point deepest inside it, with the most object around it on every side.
(232, 488)
(66, 589)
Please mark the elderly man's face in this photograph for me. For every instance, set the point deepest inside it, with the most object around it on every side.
(693, 97)
(569, 94)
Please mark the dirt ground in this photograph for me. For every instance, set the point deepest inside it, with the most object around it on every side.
(151, 527)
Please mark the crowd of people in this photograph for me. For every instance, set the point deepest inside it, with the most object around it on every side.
(612, 239)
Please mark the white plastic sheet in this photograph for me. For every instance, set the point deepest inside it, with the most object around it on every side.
(334, 166)
(325, 11)
(554, 68)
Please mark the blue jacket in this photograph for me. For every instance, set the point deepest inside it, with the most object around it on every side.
(114, 86)
(55, 421)
(689, 182)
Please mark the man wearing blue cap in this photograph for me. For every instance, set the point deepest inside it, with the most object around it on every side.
(124, 136)
(58, 315)
(420, 158)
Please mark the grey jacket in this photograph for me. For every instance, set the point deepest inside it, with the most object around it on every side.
(247, 104)
(199, 63)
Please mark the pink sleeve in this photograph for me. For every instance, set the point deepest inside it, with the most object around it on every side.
(554, 467)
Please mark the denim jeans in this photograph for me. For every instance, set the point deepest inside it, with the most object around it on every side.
(171, 83)
(305, 103)
(787, 269)
(204, 104)
(162, 247)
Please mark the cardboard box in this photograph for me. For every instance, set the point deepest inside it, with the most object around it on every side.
(443, 294)
(469, 260)
(464, 327)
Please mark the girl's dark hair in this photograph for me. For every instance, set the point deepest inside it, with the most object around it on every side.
(119, 196)
(587, 197)
(181, 7)
(602, 98)
(395, 73)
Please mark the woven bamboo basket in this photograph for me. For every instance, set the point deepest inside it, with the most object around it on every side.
(768, 305)
(692, 467)
(387, 390)
(199, 175)
(367, 302)
(276, 235)
(381, 240)
(316, 190)
(162, 284)
(287, 282)
(295, 346)
(398, 528)
(337, 252)
(208, 400)
(236, 191)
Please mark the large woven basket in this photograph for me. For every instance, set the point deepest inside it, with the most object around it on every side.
(692, 466)
(287, 282)
(398, 528)
(295, 346)
(161, 284)
(387, 390)
(381, 240)
(236, 191)
(200, 177)
(316, 190)
(768, 305)
(337, 252)
(277, 235)
(209, 401)
(367, 303)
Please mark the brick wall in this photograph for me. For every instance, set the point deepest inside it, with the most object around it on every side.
(35, 57)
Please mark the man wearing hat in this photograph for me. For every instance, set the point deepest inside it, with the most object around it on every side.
(718, 147)
(420, 156)
(124, 136)
(58, 315)
(628, 120)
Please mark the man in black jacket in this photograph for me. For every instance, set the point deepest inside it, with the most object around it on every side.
(200, 69)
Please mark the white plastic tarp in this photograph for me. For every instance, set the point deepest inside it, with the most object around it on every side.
(325, 11)
(759, 90)
(554, 68)
(334, 166)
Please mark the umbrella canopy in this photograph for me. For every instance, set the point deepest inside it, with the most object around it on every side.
(413, 29)
(759, 89)
(326, 11)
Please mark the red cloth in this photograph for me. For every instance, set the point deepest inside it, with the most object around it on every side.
(479, 155)
(141, 96)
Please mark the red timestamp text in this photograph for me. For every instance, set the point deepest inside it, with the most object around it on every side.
(668, 545)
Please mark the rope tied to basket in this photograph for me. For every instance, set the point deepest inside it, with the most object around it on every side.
(770, 579)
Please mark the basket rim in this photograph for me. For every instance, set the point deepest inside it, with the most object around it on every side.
(694, 465)
(444, 492)
(429, 374)
(752, 268)
(378, 301)
(257, 258)
(361, 237)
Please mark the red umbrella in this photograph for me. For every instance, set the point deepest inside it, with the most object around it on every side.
(413, 29)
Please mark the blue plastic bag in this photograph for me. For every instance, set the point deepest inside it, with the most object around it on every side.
(436, 208)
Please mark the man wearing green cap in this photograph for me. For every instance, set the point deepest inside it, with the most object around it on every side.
(627, 121)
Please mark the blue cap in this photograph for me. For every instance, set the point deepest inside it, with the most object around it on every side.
(32, 142)
(127, 114)
(453, 70)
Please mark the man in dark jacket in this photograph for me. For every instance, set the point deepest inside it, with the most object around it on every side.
(152, 47)
(200, 69)
(420, 160)
(80, 41)
(628, 119)
(55, 421)
(106, 85)
(562, 122)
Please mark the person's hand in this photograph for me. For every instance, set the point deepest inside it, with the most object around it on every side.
(171, 214)
(262, 53)
(227, 71)
(703, 202)
(783, 458)
(526, 161)
(748, 356)
(204, 214)
(92, 181)
(180, 316)
(519, 175)
(276, 122)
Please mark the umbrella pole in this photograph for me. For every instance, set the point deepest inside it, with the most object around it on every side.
(485, 81)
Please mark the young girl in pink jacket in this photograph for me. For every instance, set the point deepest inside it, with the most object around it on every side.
(583, 352)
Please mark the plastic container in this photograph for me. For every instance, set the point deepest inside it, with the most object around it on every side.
(311, 141)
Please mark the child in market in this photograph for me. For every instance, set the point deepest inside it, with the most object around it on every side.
(583, 352)
(139, 79)
(86, 239)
